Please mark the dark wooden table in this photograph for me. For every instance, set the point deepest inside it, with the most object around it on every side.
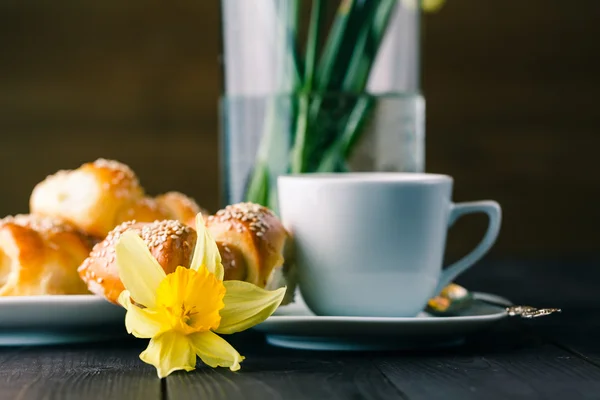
(554, 357)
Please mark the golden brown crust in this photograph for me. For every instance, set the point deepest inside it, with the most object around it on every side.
(170, 242)
(145, 209)
(92, 197)
(180, 207)
(40, 256)
(234, 264)
(256, 237)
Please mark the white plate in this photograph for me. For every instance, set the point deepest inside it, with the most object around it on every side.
(295, 326)
(26, 320)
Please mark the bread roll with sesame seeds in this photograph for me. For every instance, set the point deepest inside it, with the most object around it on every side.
(251, 240)
(93, 197)
(170, 242)
(98, 196)
(40, 255)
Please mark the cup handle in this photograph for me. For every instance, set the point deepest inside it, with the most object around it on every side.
(457, 210)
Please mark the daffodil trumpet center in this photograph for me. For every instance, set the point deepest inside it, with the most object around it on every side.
(189, 301)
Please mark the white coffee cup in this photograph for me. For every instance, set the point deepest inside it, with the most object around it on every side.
(372, 244)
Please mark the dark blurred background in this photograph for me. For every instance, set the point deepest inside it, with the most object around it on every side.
(511, 89)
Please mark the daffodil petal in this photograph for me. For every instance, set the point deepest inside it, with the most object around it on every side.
(123, 299)
(141, 323)
(206, 252)
(247, 305)
(214, 351)
(138, 269)
(168, 352)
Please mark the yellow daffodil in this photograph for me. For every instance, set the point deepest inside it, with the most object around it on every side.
(426, 5)
(181, 313)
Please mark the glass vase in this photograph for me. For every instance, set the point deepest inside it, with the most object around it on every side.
(338, 93)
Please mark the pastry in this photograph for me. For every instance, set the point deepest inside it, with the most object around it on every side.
(98, 196)
(170, 242)
(251, 240)
(40, 255)
(93, 197)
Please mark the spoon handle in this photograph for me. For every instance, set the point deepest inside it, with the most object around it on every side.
(530, 312)
(455, 298)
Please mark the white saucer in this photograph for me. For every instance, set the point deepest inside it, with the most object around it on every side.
(295, 326)
(37, 320)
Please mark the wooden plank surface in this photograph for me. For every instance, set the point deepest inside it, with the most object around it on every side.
(515, 361)
(76, 372)
(570, 284)
(510, 363)
(543, 373)
(287, 376)
(512, 366)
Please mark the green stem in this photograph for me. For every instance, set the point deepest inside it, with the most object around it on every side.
(258, 189)
(291, 33)
(365, 50)
(345, 65)
(350, 16)
(299, 149)
(312, 43)
(331, 68)
(336, 153)
(355, 81)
